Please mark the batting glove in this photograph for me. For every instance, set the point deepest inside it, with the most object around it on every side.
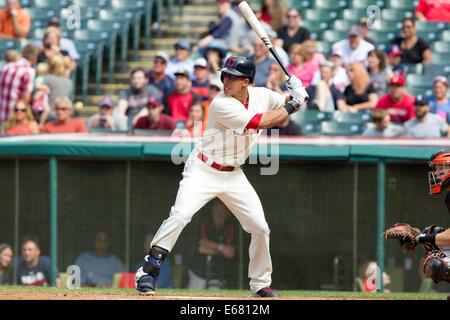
(293, 83)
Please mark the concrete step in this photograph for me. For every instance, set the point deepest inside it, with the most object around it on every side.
(192, 21)
(200, 9)
(168, 43)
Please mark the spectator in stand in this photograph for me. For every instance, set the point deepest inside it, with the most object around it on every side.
(276, 80)
(17, 80)
(214, 53)
(394, 60)
(21, 121)
(415, 49)
(14, 22)
(286, 128)
(99, 265)
(425, 124)
(215, 86)
(51, 47)
(195, 123)
(182, 60)
(359, 94)
(132, 101)
(292, 32)
(364, 24)
(225, 29)
(41, 103)
(155, 120)
(34, 269)
(64, 122)
(381, 126)
(379, 73)
(399, 105)
(325, 96)
(157, 76)
(6, 254)
(107, 117)
(11, 55)
(298, 67)
(313, 59)
(433, 10)
(370, 282)
(273, 13)
(56, 83)
(440, 104)
(339, 76)
(181, 100)
(354, 48)
(201, 83)
(262, 61)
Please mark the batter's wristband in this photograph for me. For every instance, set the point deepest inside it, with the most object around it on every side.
(290, 107)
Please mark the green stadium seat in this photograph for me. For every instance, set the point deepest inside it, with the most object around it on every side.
(324, 47)
(92, 3)
(382, 36)
(389, 26)
(441, 47)
(301, 5)
(315, 27)
(442, 69)
(349, 117)
(402, 4)
(333, 128)
(132, 17)
(83, 69)
(152, 132)
(6, 44)
(331, 5)
(320, 15)
(412, 67)
(419, 80)
(353, 14)
(441, 58)
(145, 7)
(311, 116)
(429, 36)
(310, 129)
(53, 4)
(415, 91)
(445, 35)
(364, 4)
(342, 25)
(426, 26)
(333, 35)
(395, 14)
(40, 17)
(122, 29)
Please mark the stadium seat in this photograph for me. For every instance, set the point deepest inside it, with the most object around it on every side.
(301, 5)
(353, 14)
(122, 28)
(320, 15)
(152, 132)
(342, 25)
(145, 7)
(430, 26)
(412, 67)
(415, 91)
(349, 117)
(333, 128)
(324, 47)
(402, 4)
(441, 69)
(311, 116)
(389, 26)
(315, 26)
(84, 4)
(419, 80)
(40, 17)
(310, 129)
(333, 35)
(363, 4)
(132, 17)
(441, 58)
(395, 14)
(107, 37)
(53, 4)
(441, 47)
(9, 44)
(382, 36)
(445, 35)
(429, 36)
(331, 5)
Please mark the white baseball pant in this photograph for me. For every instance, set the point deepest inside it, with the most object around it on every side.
(200, 184)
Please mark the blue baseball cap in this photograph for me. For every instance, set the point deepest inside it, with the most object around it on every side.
(183, 44)
(106, 101)
(421, 100)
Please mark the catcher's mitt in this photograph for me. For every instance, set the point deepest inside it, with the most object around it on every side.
(405, 235)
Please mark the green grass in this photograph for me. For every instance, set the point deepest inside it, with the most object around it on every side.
(228, 293)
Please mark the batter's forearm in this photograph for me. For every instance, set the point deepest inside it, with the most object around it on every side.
(273, 118)
(443, 239)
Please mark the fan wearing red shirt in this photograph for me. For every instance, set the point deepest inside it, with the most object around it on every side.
(398, 104)
(155, 120)
(181, 100)
(64, 122)
(433, 10)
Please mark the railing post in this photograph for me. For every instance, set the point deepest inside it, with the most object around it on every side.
(381, 169)
(53, 182)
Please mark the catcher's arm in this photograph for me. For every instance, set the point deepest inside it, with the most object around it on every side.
(443, 239)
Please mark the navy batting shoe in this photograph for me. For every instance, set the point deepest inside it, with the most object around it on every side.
(145, 283)
(266, 293)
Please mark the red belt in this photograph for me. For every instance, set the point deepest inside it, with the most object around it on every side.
(214, 165)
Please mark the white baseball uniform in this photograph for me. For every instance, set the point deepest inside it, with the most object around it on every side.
(230, 134)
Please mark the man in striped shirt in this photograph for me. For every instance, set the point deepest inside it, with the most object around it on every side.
(17, 80)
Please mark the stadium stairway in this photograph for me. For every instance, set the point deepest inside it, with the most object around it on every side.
(195, 13)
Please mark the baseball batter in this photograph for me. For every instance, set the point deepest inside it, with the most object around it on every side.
(436, 240)
(236, 117)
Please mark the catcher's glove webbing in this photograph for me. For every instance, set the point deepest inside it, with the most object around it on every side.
(405, 235)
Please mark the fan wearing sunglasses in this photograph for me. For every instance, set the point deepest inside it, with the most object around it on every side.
(21, 120)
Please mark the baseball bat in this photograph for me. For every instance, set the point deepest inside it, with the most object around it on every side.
(253, 21)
